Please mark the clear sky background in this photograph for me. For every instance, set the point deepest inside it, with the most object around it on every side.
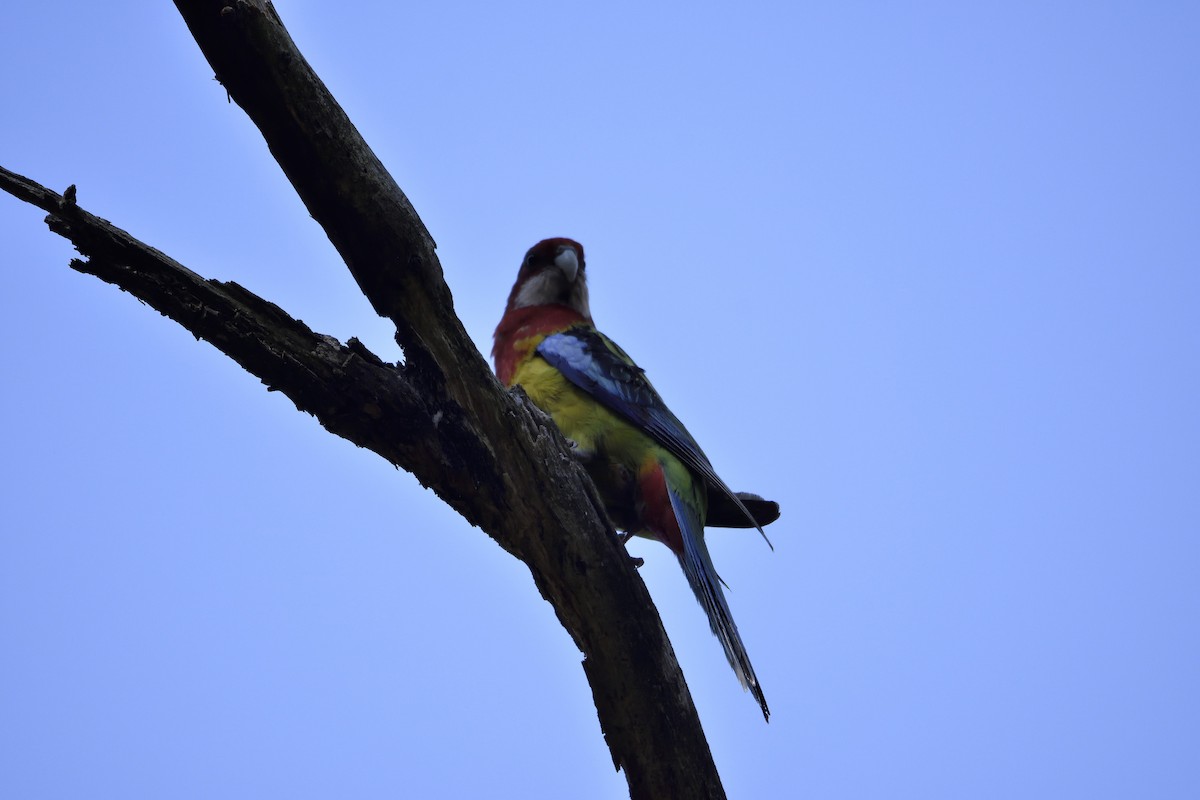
(928, 274)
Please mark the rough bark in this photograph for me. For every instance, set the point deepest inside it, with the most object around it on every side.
(442, 415)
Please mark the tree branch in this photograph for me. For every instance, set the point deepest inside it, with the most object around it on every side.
(442, 415)
(349, 389)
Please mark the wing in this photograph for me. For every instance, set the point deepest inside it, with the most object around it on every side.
(594, 363)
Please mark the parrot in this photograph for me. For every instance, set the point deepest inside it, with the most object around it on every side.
(652, 477)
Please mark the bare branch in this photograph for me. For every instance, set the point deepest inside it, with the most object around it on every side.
(348, 388)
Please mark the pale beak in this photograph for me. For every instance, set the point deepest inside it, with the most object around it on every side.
(568, 261)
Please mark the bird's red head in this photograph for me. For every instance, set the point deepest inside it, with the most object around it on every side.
(552, 274)
(550, 295)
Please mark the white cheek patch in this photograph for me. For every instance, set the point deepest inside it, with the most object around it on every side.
(538, 290)
(579, 299)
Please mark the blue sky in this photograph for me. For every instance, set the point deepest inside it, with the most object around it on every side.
(928, 274)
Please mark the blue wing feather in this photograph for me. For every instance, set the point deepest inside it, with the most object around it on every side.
(594, 363)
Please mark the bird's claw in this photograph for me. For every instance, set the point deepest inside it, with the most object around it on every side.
(624, 538)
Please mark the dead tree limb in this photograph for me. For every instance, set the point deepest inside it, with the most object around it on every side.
(441, 416)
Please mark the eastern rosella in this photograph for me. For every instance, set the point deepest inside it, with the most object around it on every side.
(652, 476)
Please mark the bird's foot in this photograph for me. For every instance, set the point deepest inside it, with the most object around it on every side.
(624, 538)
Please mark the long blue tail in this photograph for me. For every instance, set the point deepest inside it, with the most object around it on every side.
(702, 576)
